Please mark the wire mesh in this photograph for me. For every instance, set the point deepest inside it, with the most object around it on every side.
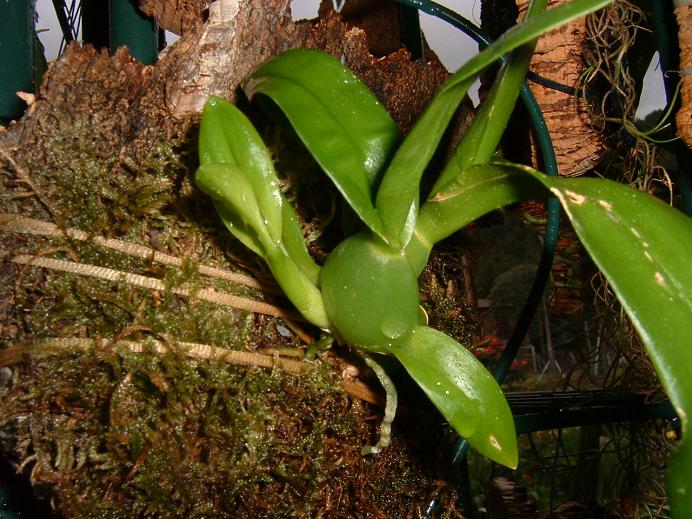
(69, 17)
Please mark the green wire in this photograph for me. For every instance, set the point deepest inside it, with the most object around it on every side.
(545, 145)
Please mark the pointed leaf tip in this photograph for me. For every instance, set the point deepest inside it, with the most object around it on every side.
(463, 390)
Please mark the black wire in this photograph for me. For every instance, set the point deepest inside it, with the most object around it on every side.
(63, 20)
(553, 85)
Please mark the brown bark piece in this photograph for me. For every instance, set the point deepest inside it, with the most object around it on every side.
(238, 36)
(405, 86)
(683, 119)
(378, 18)
(129, 105)
(177, 16)
(402, 85)
(236, 40)
(91, 89)
(558, 57)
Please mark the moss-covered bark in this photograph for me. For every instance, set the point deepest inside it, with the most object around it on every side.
(116, 284)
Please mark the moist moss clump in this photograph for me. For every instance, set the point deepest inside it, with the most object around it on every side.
(111, 433)
(445, 302)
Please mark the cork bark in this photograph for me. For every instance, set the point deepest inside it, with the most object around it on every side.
(129, 105)
(235, 40)
(683, 118)
(177, 16)
(378, 18)
(558, 57)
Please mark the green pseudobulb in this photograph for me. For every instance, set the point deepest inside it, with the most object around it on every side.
(370, 293)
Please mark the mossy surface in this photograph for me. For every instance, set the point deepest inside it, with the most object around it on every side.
(109, 433)
(445, 303)
(116, 434)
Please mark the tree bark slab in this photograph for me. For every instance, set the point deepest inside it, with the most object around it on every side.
(559, 58)
(683, 118)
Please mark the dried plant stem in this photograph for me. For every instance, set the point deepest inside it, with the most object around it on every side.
(16, 223)
(24, 177)
(205, 294)
(14, 354)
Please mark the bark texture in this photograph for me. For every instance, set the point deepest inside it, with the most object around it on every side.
(578, 146)
(177, 16)
(378, 18)
(683, 119)
(129, 105)
(236, 40)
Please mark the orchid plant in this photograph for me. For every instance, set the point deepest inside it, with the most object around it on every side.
(366, 293)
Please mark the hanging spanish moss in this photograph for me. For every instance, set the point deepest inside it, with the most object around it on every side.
(612, 85)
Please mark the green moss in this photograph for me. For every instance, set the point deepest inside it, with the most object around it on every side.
(132, 435)
(110, 433)
(445, 302)
(95, 190)
(82, 306)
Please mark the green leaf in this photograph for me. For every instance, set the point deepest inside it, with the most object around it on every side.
(468, 196)
(231, 192)
(480, 141)
(236, 171)
(644, 247)
(463, 390)
(294, 242)
(239, 228)
(302, 292)
(398, 194)
(641, 245)
(226, 136)
(339, 120)
(400, 185)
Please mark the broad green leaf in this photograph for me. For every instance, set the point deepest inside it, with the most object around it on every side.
(463, 390)
(480, 141)
(239, 228)
(227, 137)
(235, 201)
(397, 197)
(644, 248)
(641, 245)
(238, 173)
(470, 195)
(400, 185)
(339, 120)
